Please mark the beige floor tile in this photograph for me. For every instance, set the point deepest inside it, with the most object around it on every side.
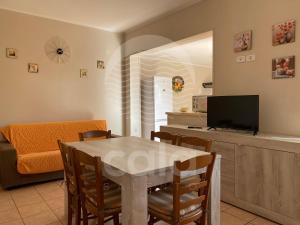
(56, 203)
(241, 214)
(5, 196)
(9, 216)
(17, 222)
(56, 223)
(54, 194)
(225, 206)
(262, 221)
(33, 209)
(24, 191)
(227, 219)
(22, 200)
(44, 218)
(7, 205)
(59, 213)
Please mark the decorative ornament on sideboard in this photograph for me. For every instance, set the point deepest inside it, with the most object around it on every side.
(58, 50)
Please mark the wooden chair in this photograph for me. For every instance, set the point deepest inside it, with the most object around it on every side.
(94, 134)
(195, 142)
(187, 200)
(74, 204)
(165, 136)
(95, 199)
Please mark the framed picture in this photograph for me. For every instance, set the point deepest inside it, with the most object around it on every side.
(284, 33)
(283, 67)
(243, 41)
(11, 53)
(33, 68)
(100, 64)
(83, 73)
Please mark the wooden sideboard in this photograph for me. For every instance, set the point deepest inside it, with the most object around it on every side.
(196, 119)
(260, 173)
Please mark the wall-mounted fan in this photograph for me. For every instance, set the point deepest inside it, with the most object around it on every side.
(58, 50)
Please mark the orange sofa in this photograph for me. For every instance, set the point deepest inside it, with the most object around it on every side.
(36, 148)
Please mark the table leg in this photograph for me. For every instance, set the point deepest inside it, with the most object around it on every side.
(214, 210)
(134, 200)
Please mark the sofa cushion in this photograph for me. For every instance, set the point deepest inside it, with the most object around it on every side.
(43, 162)
(42, 137)
(35, 143)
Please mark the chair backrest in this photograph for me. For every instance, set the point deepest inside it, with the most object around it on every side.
(193, 184)
(88, 171)
(67, 154)
(195, 142)
(164, 136)
(94, 134)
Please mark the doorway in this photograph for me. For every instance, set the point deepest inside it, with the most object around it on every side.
(152, 74)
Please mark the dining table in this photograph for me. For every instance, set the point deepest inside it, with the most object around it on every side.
(137, 164)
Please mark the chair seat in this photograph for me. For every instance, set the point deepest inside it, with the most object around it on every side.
(162, 202)
(112, 198)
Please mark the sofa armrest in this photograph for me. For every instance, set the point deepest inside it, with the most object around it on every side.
(8, 162)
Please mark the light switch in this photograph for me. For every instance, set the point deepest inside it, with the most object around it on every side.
(241, 59)
(250, 58)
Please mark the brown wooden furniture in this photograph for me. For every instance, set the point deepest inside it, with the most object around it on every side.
(104, 204)
(195, 142)
(94, 134)
(166, 137)
(74, 204)
(187, 200)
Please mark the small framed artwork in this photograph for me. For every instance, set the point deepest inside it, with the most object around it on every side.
(11, 53)
(283, 67)
(284, 33)
(83, 73)
(33, 68)
(100, 64)
(243, 41)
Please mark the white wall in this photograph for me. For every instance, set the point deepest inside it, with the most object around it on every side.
(57, 92)
(279, 107)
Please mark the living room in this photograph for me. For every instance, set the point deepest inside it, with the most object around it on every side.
(65, 71)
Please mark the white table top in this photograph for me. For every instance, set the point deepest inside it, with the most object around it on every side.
(136, 156)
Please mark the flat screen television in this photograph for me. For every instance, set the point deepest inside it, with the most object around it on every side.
(233, 112)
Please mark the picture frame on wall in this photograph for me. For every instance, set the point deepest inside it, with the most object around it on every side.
(100, 64)
(33, 68)
(11, 53)
(284, 33)
(83, 73)
(284, 67)
(243, 41)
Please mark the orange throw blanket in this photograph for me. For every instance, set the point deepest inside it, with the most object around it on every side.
(36, 144)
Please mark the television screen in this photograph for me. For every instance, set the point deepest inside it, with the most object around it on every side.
(235, 112)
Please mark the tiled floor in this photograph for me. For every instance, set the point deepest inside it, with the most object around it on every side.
(43, 204)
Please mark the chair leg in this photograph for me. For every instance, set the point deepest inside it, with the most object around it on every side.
(100, 219)
(116, 219)
(85, 216)
(151, 220)
(78, 212)
(70, 211)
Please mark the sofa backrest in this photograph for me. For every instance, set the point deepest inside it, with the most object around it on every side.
(42, 137)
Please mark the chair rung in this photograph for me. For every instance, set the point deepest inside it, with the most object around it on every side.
(187, 188)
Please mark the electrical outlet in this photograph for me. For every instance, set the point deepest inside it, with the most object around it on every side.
(250, 58)
(241, 59)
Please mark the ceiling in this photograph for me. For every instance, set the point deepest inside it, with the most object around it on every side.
(111, 15)
(196, 52)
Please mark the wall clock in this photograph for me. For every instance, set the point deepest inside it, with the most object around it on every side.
(58, 50)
